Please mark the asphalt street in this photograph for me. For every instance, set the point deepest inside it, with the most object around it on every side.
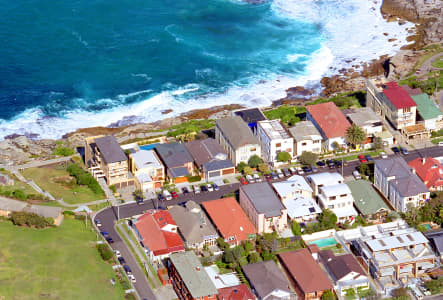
(108, 217)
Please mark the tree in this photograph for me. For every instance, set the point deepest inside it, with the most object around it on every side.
(228, 256)
(308, 158)
(241, 166)
(222, 244)
(327, 219)
(253, 257)
(296, 229)
(254, 161)
(247, 170)
(355, 135)
(328, 295)
(263, 167)
(335, 145)
(378, 143)
(284, 157)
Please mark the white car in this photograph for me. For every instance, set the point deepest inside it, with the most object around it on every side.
(167, 195)
(300, 171)
(280, 173)
(117, 253)
(292, 170)
(210, 187)
(196, 189)
(132, 278)
(356, 174)
(258, 178)
(250, 179)
(440, 143)
(383, 155)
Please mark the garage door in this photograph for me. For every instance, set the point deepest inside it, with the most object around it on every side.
(214, 174)
(228, 171)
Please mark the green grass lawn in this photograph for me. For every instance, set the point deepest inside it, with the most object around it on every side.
(438, 63)
(46, 179)
(17, 185)
(53, 263)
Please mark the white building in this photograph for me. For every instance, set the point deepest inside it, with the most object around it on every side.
(294, 186)
(338, 198)
(324, 179)
(307, 138)
(274, 138)
(371, 123)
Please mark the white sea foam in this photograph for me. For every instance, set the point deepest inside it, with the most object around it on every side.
(353, 31)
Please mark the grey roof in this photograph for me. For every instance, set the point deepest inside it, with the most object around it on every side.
(304, 130)
(251, 115)
(436, 236)
(192, 222)
(173, 155)
(203, 151)
(179, 172)
(410, 185)
(218, 165)
(7, 204)
(364, 116)
(395, 166)
(264, 199)
(266, 277)
(236, 131)
(193, 274)
(44, 211)
(110, 149)
(341, 265)
(366, 198)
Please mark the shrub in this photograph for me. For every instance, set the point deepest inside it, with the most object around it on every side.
(194, 178)
(296, 229)
(84, 178)
(283, 156)
(225, 181)
(247, 170)
(113, 188)
(308, 158)
(69, 213)
(338, 245)
(263, 167)
(63, 151)
(19, 194)
(241, 166)
(21, 218)
(254, 161)
(104, 251)
(328, 295)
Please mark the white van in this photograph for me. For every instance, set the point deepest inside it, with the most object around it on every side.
(167, 195)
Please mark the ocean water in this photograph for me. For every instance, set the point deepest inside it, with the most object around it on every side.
(71, 64)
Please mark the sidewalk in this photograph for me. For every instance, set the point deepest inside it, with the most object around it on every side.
(108, 192)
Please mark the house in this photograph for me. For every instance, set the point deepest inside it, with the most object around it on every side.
(239, 292)
(430, 172)
(274, 138)
(392, 102)
(331, 123)
(370, 122)
(393, 255)
(394, 179)
(250, 116)
(193, 225)
(338, 198)
(178, 162)
(436, 239)
(320, 180)
(157, 231)
(236, 139)
(189, 279)
(267, 280)
(296, 196)
(428, 112)
(307, 277)
(148, 170)
(6, 180)
(368, 201)
(306, 138)
(230, 219)
(210, 158)
(105, 159)
(345, 271)
(263, 207)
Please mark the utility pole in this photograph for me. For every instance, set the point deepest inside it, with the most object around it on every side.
(342, 166)
(118, 212)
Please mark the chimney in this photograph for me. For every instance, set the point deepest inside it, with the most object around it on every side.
(424, 160)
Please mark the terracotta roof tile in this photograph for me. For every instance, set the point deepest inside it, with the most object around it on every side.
(238, 292)
(331, 120)
(430, 171)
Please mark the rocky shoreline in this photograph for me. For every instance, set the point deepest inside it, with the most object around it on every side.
(428, 18)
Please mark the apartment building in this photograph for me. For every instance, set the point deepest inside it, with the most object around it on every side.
(274, 138)
(263, 207)
(319, 180)
(105, 159)
(237, 140)
(392, 102)
(306, 138)
(147, 169)
(395, 179)
(338, 198)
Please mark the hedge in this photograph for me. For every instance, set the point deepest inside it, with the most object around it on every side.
(194, 178)
(22, 218)
(104, 251)
(84, 178)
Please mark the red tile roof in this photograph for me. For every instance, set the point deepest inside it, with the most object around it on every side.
(151, 227)
(229, 218)
(398, 96)
(331, 120)
(305, 271)
(238, 292)
(430, 171)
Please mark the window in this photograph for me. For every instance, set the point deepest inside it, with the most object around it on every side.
(303, 144)
(278, 145)
(252, 149)
(344, 195)
(332, 198)
(406, 109)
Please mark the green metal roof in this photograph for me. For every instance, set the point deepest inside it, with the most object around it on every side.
(367, 200)
(425, 107)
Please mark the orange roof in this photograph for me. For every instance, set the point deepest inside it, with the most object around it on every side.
(238, 292)
(159, 241)
(329, 118)
(429, 170)
(229, 218)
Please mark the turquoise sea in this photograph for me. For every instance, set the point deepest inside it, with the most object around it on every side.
(71, 64)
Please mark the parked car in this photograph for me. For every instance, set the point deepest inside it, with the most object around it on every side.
(314, 169)
(185, 190)
(160, 197)
(286, 172)
(210, 187)
(174, 194)
(268, 177)
(369, 158)
(121, 260)
(132, 278)
(396, 150)
(215, 186)
(274, 176)
(404, 151)
(383, 155)
(356, 174)
(139, 201)
(292, 170)
(117, 253)
(203, 188)
(307, 169)
(104, 233)
(330, 163)
(440, 143)
(280, 173)
(300, 171)
(127, 269)
(98, 223)
(321, 163)
(182, 203)
(167, 195)
(257, 178)
(196, 189)
(243, 181)
(109, 240)
(338, 163)
(362, 159)
(250, 179)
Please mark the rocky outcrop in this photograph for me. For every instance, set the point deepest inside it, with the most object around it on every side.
(20, 149)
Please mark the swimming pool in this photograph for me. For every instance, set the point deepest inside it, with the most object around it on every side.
(324, 242)
(428, 226)
(148, 147)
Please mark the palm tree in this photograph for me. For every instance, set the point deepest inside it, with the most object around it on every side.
(355, 135)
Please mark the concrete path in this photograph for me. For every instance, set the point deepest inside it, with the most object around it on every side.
(108, 192)
(427, 67)
(36, 164)
(81, 204)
